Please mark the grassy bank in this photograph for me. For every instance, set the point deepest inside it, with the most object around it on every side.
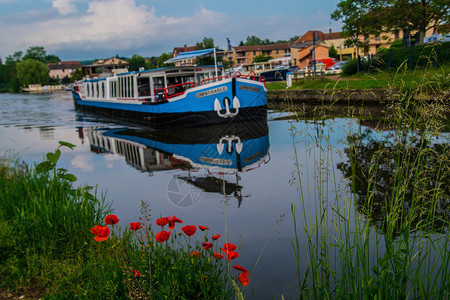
(59, 241)
(438, 78)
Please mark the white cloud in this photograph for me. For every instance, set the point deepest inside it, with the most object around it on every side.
(109, 24)
(64, 7)
(83, 162)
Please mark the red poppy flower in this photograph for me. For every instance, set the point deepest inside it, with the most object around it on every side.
(189, 230)
(136, 273)
(162, 236)
(111, 220)
(243, 278)
(196, 254)
(172, 221)
(203, 228)
(240, 268)
(218, 255)
(215, 237)
(135, 226)
(229, 247)
(101, 233)
(162, 221)
(232, 255)
(207, 245)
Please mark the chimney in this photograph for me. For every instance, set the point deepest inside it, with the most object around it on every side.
(185, 48)
(330, 29)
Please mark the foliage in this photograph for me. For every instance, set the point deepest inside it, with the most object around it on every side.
(332, 52)
(46, 241)
(385, 234)
(262, 58)
(51, 58)
(351, 67)
(136, 62)
(31, 71)
(44, 237)
(372, 18)
(4, 78)
(151, 63)
(206, 43)
(36, 53)
(162, 58)
(434, 54)
(76, 75)
(14, 58)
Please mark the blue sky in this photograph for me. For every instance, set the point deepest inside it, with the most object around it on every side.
(81, 29)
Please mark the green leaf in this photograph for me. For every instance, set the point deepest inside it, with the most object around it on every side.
(43, 167)
(66, 144)
(69, 177)
(54, 157)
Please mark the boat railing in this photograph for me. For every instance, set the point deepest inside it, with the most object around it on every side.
(252, 76)
(214, 78)
(173, 90)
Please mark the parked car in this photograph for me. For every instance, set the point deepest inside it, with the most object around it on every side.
(337, 66)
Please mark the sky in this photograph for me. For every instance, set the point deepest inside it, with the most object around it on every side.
(83, 30)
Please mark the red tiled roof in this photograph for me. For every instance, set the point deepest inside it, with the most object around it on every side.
(319, 35)
(71, 64)
(278, 46)
(183, 49)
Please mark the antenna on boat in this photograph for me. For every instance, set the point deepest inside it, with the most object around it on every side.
(215, 62)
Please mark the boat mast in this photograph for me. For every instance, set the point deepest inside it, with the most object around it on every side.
(215, 61)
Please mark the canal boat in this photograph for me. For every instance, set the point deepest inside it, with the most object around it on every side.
(39, 88)
(177, 96)
(272, 70)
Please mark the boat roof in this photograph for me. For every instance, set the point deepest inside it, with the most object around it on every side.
(194, 54)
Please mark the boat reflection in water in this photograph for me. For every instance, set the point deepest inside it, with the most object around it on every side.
(207, 154)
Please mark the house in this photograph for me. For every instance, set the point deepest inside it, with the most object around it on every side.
(178, 50)
(246, 54)
(62, 69)
(105, 67)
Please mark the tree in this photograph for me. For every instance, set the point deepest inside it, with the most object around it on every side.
(76, 75)
(162, 58)
(332, 52)
(31, 71)
(206, 43)
(262, 58)
(36, 53)
(372, 18)
(51, 58)
(136, 62)
(14, 58)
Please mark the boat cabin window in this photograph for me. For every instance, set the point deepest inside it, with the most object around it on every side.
(158, 82)
(113, 88)
(143, 86)
(266, 66)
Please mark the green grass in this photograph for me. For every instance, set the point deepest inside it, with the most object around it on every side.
(384, 235)
(375, 80)
(48, 250)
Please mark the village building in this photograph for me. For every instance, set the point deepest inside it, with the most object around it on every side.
(62, 69)
(246, 54)
(178, 50)
(105, 67)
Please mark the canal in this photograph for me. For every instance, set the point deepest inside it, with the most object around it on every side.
(246, 195)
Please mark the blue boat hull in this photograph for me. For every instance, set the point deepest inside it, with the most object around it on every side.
(196, 107)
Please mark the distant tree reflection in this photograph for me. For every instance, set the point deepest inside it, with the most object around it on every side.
(401, 182)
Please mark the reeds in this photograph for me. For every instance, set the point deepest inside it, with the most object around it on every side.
(382, 230)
